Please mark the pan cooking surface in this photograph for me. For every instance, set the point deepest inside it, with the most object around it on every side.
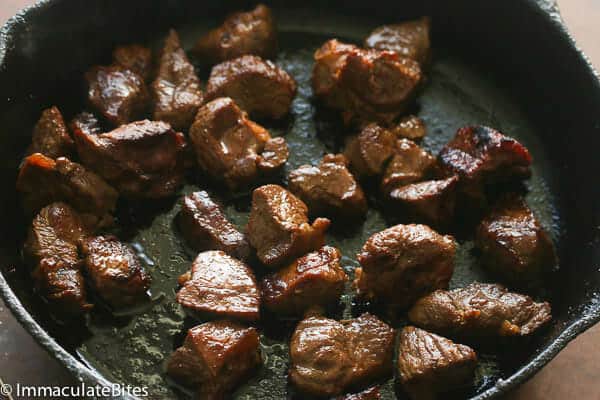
(132, 348)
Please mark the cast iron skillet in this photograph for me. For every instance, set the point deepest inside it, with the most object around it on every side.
(509, 64)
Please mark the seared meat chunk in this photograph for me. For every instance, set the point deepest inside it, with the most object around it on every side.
(429, 365)
(85, 123)
(480, 310)
(261, 88)
(205, 227)
(176, 90)
(410, 127)
(314, 280)
(370, 150)
(219, 285)
(51, 250)
(232, 149)
(117, 93)
(278, 226)
(328, 356)
(429, 201)
(513, 243)
(215, 358)
(43, 180)
(114, 271)
(50, 135)
(329, 189)
(480, 155)
(141, 159)
(242, 33)
(366, 85)
(409, 39)
(409, 164)
(404, 262)
(135, 58)
(371, 393)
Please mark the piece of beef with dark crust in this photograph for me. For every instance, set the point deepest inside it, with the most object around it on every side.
(278, 227)
(409, 39)
(114, 271)
(370, 150)
(215, 358)
(329, 357)
(314, 280)
(409, 164)
(259, 87)
(219, 286)
(410, 127)
(482, 156)
(176, 90)
(514, 245)
(42, 181)
(329, 189)
(205, 227)
(85, 123)
(431, 202)
(251, 32)
(136, 58)
(430, 365)
(50, 135)
(480, 310)
(51, 251)
(366, 85)
(143, 159)
(371, 393)
(118, 94)
(232, 149)
(402, 263)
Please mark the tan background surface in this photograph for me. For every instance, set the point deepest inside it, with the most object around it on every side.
(574, 373)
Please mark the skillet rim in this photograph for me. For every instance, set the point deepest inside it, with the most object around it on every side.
(91, 377)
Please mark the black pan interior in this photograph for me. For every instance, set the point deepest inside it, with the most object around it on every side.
(527, 82)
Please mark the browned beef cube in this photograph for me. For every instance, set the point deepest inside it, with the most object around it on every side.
(402, 263)
(429, 365)
(370, 150)
(409, 164)
(242, 33)
(314, 280)
(410, 127)
(43, 180)
(215, 358)
(328, 356)
(117, 93)
(205, 227)
(219, 285)
(114, 271)
(278, 226)
(142, 159)
(85, 123)
(261, 88)
(51, 250)
(366, 85)
(429, 201)
(50, 135)
(480, 310)
(232, 149)
(371, 393)
(135, 58)
(329, 189)
(409, 39)
(176, 90)
(480, 155)
(513, 243)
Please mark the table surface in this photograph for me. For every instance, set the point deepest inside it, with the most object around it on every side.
(573, 373)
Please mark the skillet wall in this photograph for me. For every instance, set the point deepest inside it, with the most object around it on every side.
(515, 42)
